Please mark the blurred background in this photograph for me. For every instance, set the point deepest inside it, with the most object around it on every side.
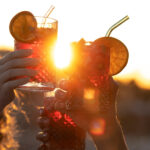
(90, 19)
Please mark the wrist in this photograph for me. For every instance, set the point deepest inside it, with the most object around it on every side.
(112, 136)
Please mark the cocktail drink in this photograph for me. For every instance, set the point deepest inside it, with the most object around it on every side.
(95, 61)
(38, 34)
(92, 61)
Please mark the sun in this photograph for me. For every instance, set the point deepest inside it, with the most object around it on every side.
(62, 55)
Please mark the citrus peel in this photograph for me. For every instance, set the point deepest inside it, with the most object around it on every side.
(23, 27)
(118, 53)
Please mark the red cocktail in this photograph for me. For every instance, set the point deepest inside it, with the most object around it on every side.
(91, 63)
(42, 48)
(38, 34)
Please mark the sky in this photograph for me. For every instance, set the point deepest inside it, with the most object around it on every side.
(90, 19)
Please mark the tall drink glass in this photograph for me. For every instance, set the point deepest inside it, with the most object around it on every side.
(42, 48)
(91, 63)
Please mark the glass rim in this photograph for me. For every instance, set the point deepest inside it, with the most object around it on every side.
(46, 18)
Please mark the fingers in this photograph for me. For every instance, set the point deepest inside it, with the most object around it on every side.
(52, 103)
(49, 103)
(113, 84)
(62, 102)
(56, 102)
(64, 84)
(61, 94)
(65, 98)
(15, 83)
(59, 105)
(13, 73)
(19, 63)
(16, 54)
(113, 88)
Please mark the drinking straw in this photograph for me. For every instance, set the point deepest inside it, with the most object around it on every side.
(49, 11)
(47, 14)
(116, 25)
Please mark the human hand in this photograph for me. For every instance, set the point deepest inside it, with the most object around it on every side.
(11, 66)
(97, 114)
(85, 105)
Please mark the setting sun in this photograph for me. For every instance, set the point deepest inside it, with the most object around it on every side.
(62, 55)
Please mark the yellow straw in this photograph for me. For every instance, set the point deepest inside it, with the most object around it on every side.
(47, 14)
(116, 25)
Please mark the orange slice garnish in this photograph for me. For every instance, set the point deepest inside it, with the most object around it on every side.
(23, 26)
(118, 53)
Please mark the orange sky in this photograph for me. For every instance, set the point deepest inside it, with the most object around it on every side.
(91, 19)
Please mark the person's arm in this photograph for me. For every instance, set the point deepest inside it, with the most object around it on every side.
(99, 119)
(112, 139)
(11, 66)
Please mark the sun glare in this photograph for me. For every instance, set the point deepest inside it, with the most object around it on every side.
(62, 55)
(89, 94)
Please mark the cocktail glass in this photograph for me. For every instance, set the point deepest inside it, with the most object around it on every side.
(91, 63)
(42, 48)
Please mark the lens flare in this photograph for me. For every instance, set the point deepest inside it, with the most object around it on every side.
(98, 127)
(91, 99)
(89, 94)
